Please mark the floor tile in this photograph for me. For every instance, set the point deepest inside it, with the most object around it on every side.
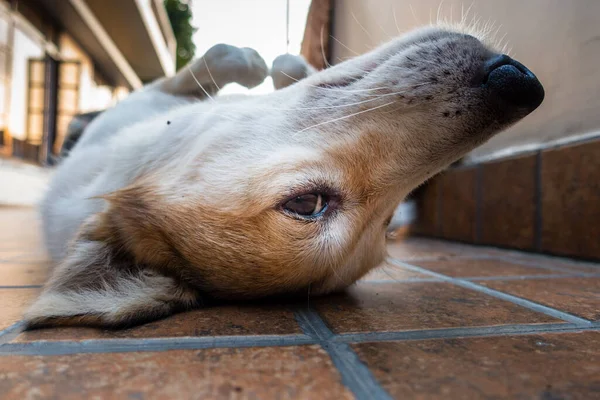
(303, 372)
(14, 274)
(579, 296)
(420, 248)
(553, 261)
(35, 254)
(509, 223)
(547, 367)
(13, 302)
(392, 273)
(20, 228)
(411, 306)
(465, 267)
(231, 320)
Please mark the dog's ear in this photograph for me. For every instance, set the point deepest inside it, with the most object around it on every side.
(102, 282)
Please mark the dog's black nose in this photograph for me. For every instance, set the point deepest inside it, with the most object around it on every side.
(512, 83)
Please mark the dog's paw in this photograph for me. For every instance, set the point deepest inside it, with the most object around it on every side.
(233, 64)
(288, 69)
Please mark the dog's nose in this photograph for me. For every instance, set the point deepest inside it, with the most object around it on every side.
(512, 83)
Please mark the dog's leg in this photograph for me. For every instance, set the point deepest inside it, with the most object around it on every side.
(222, 64)
(288, 69)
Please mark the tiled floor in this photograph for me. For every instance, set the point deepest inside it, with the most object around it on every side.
(438, 320)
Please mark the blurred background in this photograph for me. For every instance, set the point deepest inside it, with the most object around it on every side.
(63, 58)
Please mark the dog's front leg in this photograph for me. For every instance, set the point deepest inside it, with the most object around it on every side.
(222, 64)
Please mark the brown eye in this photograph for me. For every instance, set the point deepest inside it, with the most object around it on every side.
(307, 205)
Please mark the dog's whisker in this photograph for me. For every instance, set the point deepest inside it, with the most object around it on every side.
(343, 117)
(414, 15)
(199, 84)
(322, 51)
(362, 27)
(465, 14)
(439, 10)
(335, 89)
(210, 74)
(384, 31)
(344, 46)
(378, 97)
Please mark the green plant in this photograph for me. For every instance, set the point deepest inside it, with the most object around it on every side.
(180, 16)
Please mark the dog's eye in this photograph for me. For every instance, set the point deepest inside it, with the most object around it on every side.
(307, 205)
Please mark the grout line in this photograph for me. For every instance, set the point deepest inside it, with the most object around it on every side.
(21, 262)
(482, 278)
(356, 376)
(524, 263)
(312, 324)
(451, 333)
(509, 259)
(21, 286)
(500, 295)
(593, 262)
(8, 334)
(46, 348)
(408, 280)
(528, 277)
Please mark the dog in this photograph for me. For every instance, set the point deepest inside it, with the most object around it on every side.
(174, 196)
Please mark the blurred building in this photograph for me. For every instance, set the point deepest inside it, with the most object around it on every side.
(63, 57)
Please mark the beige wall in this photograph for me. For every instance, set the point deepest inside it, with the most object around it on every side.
(559, 40)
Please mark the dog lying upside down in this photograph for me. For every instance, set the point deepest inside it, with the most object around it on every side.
(166, 200)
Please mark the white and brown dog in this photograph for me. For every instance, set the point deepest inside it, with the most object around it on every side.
(167, 200)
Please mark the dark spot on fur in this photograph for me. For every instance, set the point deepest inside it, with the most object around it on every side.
(446, 114)
(446, 72)
(457, 113)
(433, 80)
(428, 97)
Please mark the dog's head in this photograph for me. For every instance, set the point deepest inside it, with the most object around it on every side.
(292, 191)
